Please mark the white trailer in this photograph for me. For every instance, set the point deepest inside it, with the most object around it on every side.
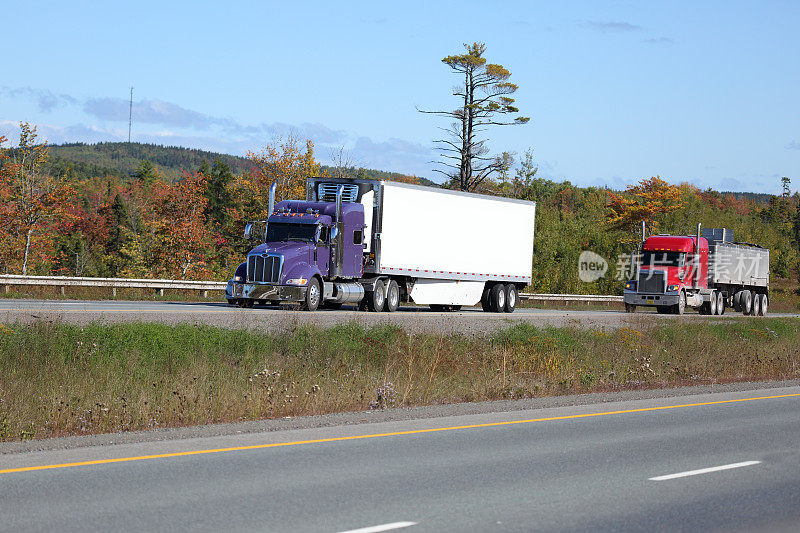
(444, 248)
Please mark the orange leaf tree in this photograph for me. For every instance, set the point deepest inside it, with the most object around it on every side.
(646, 202)
(284, 162)
(35, 204)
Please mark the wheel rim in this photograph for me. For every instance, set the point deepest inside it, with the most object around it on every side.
(512, 298)
(713, 303)
(379, 298)
(682, 302)
(313, 294)
(764, 304)
(394, 296)
(501, 300)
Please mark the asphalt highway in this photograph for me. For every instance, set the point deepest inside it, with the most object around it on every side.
(712, 462)
(468, 320)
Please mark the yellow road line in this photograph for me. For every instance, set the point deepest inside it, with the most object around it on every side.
(375, 435)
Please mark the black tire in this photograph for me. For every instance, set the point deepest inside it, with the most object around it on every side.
(630, 308)
(737, 301)
(245, 303)
(392, 297)
(746, 302)
(663, 309)
(764, 304)
(720, 303)
(375, 298)
(313, 296)
(512, 297)
(485, 304)
(756, 310)
(231, 301)
(497, 298)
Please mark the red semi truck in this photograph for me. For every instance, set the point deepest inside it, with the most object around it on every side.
(707, 271)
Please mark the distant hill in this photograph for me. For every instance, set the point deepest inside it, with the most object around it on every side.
(78, 161)
(757, 197)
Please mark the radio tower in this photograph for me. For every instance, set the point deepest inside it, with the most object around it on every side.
(130, 115)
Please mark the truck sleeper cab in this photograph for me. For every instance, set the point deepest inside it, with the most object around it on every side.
(377, 244)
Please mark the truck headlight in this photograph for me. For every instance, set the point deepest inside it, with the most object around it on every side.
(671, 288)
(296, 281)
(630, 286)
(237, 278)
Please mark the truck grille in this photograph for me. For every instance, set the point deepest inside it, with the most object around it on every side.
(651, 282)
(264, 269)
(327, 192)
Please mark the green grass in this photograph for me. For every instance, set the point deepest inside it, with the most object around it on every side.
(60, 379)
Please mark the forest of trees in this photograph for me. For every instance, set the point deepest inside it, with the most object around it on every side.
(108, 217)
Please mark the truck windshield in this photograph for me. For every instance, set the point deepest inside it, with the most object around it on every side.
(667, 259)
(280, 232)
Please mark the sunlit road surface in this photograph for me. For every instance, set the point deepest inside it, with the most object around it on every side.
(721, 462)
(468, 320)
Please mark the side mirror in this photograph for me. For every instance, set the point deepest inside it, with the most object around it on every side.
(248, 232)
(334, 233)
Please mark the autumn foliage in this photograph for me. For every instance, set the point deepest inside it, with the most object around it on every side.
(645, 201)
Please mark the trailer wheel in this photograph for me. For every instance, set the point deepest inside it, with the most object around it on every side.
(376, 299)
(392, 297)
(720, 303)
(737, 301)
(485, 297)
(313, 296)
(746, 302)
(764, 304)
(756, 304)
(712, 303)
(497, 298)
(511, 298)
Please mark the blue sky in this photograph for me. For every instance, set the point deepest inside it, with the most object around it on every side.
(705, 92)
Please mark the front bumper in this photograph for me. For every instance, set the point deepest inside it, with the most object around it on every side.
(634, 298)
(264, 291)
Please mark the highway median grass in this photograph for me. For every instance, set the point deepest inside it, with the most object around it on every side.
(59, 379)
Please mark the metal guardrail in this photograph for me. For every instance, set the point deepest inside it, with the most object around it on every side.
(7, 280)
(571, 297)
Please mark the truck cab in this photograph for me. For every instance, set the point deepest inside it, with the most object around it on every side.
(672, 273)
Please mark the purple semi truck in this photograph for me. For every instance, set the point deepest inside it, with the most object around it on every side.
(376, 244)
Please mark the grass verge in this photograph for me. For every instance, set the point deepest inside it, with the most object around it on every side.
(60, 379)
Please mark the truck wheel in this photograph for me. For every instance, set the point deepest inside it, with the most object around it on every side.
(375, 298)
(680, 307)
(712, 303)
(720, 303)
(497, 298)
(764, 304)
(392, 297)
(313, 296)
(756, 305)
(746, 302)
(737, 301)
(245, 303)
(485, 297)
(511, 298)
(630, 308)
